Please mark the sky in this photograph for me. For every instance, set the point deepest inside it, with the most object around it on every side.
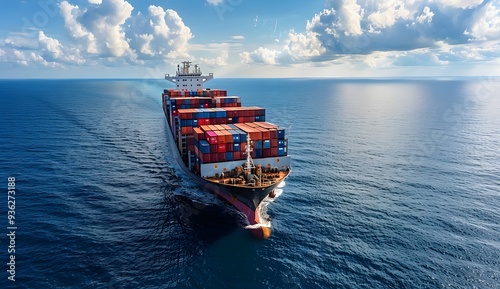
(249, 38)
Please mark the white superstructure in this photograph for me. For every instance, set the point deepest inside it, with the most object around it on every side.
(188, 80)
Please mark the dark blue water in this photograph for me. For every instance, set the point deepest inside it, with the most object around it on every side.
(395, 184)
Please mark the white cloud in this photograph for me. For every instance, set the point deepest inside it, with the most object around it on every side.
(394, 32)
(487, 23)
(50, 45)
(21, 40)
(386, 13)
(298, 48)
(215, 2)
(105, 32)
(460, 3)
(426, 15)
(160, 34)
(99, 29)
(260, 55)
(349, 17)
(25, 58)
(107, 29)
(220, 60)
(70, 14)
(238, 37)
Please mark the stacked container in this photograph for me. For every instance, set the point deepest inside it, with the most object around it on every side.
(211, 127)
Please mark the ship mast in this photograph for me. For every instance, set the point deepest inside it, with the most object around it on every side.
(249, 165)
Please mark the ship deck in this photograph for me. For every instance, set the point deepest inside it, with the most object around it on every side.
(265, 180)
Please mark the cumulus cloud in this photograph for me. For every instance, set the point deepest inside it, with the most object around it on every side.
(25, 58)
(105, 32)
(220, 60)
(365, 27)
(50, 45)
(298, 48)
(99, 27)
(159, 34)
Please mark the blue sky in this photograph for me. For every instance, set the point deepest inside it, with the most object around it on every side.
(250, 38)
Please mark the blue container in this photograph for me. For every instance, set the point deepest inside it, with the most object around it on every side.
(236, 147)
(257, 118)
(243, 136)
(236, 119)
(229, 156)
(232, 126)
(257, 144)
(195, 123)
(281, 143)
(266, 144)
(258, 153)
(281, 133)
(236, 136)
(281, 152)
(204, 147)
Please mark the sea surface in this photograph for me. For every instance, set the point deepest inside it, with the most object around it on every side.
(395, 184)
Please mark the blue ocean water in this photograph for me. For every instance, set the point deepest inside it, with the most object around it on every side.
(395, 184)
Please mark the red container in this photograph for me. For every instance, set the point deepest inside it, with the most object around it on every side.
(205, 158)
(229, 146)
(237, 155)
(266, 153)
(274, 151)
(273, 133)
(221, 157)
(221, 147)
(274, 142)
(203, 121)
(266, 134)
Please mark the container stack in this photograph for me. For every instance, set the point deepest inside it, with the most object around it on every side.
(227, 142)
(211, 127)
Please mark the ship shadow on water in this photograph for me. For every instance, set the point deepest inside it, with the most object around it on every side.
(208, 222)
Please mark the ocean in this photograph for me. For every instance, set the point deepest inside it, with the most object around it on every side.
(395, 184)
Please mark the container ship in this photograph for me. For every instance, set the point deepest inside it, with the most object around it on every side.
(227, 148)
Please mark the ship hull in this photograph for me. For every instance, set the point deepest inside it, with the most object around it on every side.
(246, 200)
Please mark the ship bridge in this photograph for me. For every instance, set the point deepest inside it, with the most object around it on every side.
(186, 79)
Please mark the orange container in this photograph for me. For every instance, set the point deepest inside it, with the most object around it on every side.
(198, 134)
(186, 130)
(228, 136)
